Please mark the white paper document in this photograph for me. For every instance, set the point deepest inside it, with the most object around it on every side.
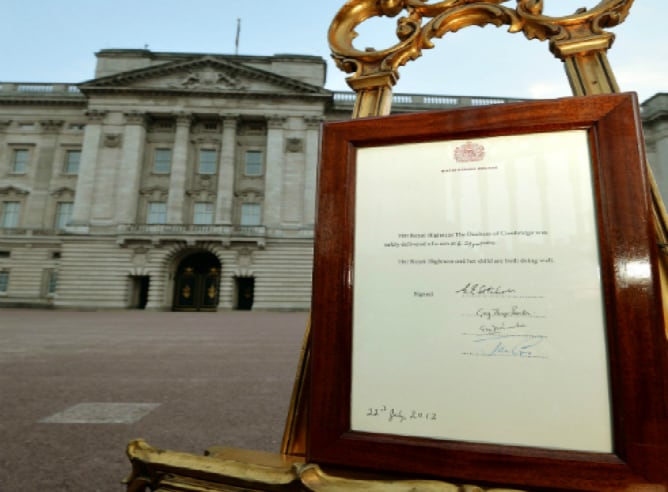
(477, 300)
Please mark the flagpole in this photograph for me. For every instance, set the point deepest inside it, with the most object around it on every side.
(236, 40)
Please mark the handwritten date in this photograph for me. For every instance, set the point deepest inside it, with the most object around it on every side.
(399, 415)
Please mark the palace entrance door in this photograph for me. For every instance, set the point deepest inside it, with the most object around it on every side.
(197, 282)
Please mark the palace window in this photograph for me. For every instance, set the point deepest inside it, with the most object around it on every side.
(9, 216)
(51, 282)
(20, 161)
(162, 161)
(63, 214)
(156, 213)
(251, 214)
(203, 213)
(72, 160)
(4, 282)
(253, 163)
(207, 161)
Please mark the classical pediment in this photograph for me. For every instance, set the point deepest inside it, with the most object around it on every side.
(201, 74)
(12, 190)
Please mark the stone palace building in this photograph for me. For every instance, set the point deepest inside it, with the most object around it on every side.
(178, 181)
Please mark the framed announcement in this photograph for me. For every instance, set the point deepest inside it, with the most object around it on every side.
(486, 304)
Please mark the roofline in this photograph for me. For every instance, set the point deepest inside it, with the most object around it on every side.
(186, 54)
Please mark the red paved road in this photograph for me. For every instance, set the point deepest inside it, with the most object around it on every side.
(218, 379)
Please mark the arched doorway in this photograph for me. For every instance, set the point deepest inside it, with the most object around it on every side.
(197, 282)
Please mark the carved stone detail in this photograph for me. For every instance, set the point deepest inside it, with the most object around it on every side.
(313, 122)
(135, 118)
(294, 145)
(154, 193)
(13, 191)
(276, 122)
(112, 140)
(183, 119)
(63, 192)
(230, 120)
(208, 78)
(96, 115)
(51, 125)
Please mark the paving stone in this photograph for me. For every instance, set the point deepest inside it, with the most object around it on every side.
(102, 413)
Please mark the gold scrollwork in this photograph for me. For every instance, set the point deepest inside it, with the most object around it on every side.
(186, 291)
(211, 292)
(581, 33)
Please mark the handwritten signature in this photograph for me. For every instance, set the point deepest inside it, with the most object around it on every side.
(493, 328)
(515, 345)
(477, 289)
(512, 312)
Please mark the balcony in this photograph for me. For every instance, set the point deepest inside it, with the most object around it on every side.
(207, 229)
(58, 92)
(29, 231)
(190, 233)
(402, 103)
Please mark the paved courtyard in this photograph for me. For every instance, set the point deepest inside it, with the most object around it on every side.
(76, 387)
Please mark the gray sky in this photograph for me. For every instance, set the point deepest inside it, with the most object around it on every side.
(55, 41)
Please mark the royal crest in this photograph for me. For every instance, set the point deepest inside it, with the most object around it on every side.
(469, 152)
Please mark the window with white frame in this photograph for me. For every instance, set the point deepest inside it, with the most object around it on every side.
(162, 161)
(251, 214)
(20, 161)
(207, 161)
(72, 160)
(4, 281)
(203, 213)
(156, 213)
(10, 214)
(63, 214)
(253, 163)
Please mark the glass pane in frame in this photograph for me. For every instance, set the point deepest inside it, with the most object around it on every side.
(491, 289)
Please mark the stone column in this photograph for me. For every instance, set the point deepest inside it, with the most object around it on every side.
(273, 183)
(225, 192)
(177, 178)
(83, 199)
(311, 158)
(132, 154)
(292, 205)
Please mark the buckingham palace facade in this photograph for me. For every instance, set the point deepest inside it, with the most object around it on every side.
(178, 181)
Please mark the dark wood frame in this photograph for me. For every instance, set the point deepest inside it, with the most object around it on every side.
(637, 346)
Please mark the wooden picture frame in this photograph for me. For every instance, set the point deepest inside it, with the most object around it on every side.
(529, 229)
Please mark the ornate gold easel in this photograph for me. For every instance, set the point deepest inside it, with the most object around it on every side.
(579, 40)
